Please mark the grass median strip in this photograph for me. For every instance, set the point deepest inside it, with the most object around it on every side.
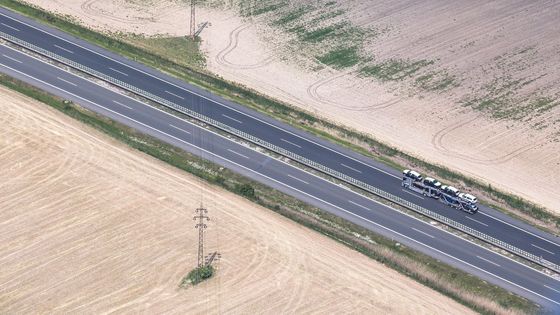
(459, 285)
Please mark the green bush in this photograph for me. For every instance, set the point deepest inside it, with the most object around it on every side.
(198, 275)
(246, 190)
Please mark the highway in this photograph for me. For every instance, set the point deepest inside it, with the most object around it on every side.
(382, 219)
(281, 135)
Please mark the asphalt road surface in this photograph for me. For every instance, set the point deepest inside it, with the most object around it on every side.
(424, 237)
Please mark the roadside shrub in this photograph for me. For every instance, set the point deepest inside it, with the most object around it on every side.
(246, 190)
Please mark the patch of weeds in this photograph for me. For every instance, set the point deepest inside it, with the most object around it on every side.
(543, 104)
(320, 34)
(341, 57)
(394, 69)
(255, 8)
(292, 15)
(436, 81)
(498, 98)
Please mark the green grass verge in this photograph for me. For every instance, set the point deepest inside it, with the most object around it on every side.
(357, 141)
(448, 280)
(180, 49)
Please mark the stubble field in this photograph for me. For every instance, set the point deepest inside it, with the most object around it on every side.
(90, 226)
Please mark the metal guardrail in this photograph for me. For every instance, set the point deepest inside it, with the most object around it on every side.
(383, 194)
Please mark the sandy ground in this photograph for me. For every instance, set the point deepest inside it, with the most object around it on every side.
(90, 226)
(465, 37)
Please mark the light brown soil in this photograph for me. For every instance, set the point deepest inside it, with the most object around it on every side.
(465, 37)
(91, 226)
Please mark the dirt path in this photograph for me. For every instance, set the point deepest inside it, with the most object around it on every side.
(471, 40)
(90, 226)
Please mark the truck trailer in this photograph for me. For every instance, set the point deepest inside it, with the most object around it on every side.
(432, 188)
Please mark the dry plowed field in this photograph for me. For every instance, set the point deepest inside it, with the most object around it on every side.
(88, 225)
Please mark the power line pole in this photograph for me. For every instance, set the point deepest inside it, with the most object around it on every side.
(193, 22)
(200, 216)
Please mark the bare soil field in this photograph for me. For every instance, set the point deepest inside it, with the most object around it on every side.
(472, 86)
(90, 226)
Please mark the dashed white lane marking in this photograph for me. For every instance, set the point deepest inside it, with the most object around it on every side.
(351, 168)
(119, 103)
(67, 50)
(359, 205)
(234, 152)
(183, 130)
(486, 260)
(289, 142)
(228, 117)
(61, 79)
(301, 180)
(475, 220)
(11, 58)
(552, 288)
(417, 230)
(177, 96)
(412, 194)
(6, 25)
(117, 71)
(543, 249)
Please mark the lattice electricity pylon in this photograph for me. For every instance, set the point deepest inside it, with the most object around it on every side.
(193, 22)
(201, 226)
